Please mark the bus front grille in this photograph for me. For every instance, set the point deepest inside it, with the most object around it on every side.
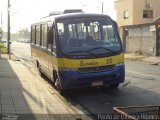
(95, 69)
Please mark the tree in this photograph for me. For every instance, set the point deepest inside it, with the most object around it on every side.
(24, 33)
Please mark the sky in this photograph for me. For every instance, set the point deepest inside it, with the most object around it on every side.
(25, 12)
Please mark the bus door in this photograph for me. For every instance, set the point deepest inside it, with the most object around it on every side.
(52, 54)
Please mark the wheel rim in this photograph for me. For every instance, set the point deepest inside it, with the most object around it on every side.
(57, 84)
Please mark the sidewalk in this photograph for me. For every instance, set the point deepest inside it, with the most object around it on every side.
(143, 58)
(22, 93)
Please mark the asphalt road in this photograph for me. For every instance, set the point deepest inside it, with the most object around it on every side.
(141, 87)
(22, 50)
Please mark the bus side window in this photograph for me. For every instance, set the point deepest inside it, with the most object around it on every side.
(33, 34)
(50, 37)
(44, 36)
(38, 35)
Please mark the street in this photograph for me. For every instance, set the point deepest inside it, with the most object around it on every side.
(141, 87)
(21, 50)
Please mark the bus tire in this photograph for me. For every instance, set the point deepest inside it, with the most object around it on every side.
(57, 84)
(40, 72)
(114, 85)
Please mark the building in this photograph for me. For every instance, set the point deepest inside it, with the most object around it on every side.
(139, 25)
(134, 12)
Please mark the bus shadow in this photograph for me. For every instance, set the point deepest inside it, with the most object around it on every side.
(20, 96)
(101, 100)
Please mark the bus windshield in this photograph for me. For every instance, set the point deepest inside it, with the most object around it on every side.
(88, 36)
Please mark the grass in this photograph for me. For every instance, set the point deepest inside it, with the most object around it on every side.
(1, 45)
(3, 49)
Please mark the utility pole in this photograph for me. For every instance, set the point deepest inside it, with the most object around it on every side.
(1, 27)
(8, 34)
(1, 18)
(102, 7)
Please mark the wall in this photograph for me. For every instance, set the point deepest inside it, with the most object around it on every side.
(121, 6)
(135, 8)
(140, 5)
(141, 39)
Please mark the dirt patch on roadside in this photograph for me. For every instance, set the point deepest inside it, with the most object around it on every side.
(135, 57)
(143, 58)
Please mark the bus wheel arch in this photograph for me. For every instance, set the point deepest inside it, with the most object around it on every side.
(37, 63)
(39, 70)
(54, 76)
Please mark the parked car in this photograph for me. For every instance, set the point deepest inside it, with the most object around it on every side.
(27, 40)
(24, 40)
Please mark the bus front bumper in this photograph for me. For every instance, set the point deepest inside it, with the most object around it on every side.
(74, 79)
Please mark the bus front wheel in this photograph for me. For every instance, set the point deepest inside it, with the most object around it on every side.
(57, 84)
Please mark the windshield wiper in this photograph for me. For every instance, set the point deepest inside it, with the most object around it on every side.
(86, 51)
(102, 48)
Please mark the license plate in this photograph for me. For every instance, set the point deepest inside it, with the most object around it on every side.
(97, 83)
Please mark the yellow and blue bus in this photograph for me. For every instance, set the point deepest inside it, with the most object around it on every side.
(77, 50)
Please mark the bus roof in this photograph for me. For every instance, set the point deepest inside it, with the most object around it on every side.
(53, 18)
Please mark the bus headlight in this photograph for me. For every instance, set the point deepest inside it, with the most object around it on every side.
(120, 64)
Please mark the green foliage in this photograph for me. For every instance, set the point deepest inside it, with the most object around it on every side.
(3, 49)
(1, 45)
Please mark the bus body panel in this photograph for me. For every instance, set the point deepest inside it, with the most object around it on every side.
(47, 62)
(77, 72)
(73, 79)
(80, 63)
